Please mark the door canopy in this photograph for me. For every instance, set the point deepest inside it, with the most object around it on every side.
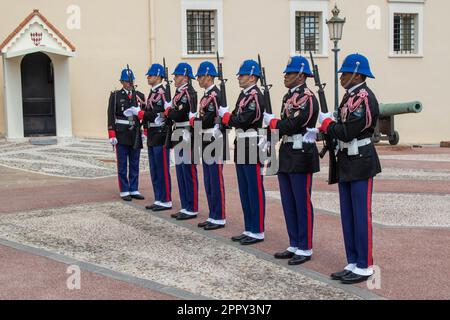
(36, 34)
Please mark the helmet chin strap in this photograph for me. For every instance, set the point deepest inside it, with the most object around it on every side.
(353, 76)
(299, 74)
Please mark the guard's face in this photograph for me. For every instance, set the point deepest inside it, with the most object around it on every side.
(291, 79)
(246, 80)
(179, 80)
(126, 85)
(205, 81)
(349, 80)
(153, 80)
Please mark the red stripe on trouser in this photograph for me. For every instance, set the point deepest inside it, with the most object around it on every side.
(117, 165)
(166, 175)
(369, 223)
(194, 185)
(308, 209)
(260, 198)
(222, 190)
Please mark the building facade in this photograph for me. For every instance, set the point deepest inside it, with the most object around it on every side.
(60, 63)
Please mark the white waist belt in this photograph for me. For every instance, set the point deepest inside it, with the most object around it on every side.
(247, 134)
(211, 130)
(354, 145)
(154, 125)
(296, 139)
(182, 124)
(292, 138)
(127, 122)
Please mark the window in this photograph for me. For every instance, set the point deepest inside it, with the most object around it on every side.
(308, 27)
(201, 28)
(406, 28)
(201, 31)
(405, 33)
(307, 31)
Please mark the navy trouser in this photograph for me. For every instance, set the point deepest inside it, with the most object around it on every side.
(356, 216)
(253, 199)
(215, 190)
(128, 179)
(187, 185)
(295, 190)
(159, 161)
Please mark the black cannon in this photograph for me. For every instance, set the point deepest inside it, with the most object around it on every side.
(385, 129)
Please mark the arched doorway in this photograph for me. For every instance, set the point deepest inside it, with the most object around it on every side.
(38, 95)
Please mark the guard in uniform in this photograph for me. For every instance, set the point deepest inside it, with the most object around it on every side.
(178, 111)
(212, 168)
(248, 114)
(155, 129)
(357, 164)
(125, 135)
(299, 159)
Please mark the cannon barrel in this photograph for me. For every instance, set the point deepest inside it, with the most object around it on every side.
(392, 109)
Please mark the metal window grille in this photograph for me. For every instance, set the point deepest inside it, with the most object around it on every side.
(201, 31)
(307, 31)
(405, 33)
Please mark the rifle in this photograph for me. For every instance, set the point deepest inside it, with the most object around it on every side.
(137, 124)
(193, 102)
(222, 82)
(267, 99)
(329, 144)
(168, 98)
(223, 95)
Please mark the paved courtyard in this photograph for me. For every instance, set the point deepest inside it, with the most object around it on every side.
(60, 208)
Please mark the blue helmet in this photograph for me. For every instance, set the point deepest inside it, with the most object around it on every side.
(299, 64)
(125, 76)
(156, 70)
(356, 63)
(249, 67)
(184, 69)
(206, 68)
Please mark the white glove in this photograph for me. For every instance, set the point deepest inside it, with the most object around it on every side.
(310, 135)
(267, 118)
(186, 135)
(167, 105)
(216, 131)
(159, 120)
(133, 111)
(113, 141)
(223, 110)
(323, 116)
(192, 115)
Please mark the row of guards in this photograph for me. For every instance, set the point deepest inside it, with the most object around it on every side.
(165, 122)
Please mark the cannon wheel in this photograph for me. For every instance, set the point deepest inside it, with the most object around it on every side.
(394, 139)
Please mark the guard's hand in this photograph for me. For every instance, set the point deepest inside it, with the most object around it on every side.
(113, 141)
(223, 110)
(159, 120)
(216, 131)
(267, 118)
(192, 115)
(186, 135)
(167, 105)
(310, 135)
(133, 111)
(323, 116)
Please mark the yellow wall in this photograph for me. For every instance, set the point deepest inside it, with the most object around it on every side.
(109, 39)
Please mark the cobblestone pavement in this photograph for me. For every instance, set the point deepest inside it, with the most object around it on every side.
(80, 158)
(130, 241)
(59, 204)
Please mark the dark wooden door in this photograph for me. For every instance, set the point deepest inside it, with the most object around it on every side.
(38, 95)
